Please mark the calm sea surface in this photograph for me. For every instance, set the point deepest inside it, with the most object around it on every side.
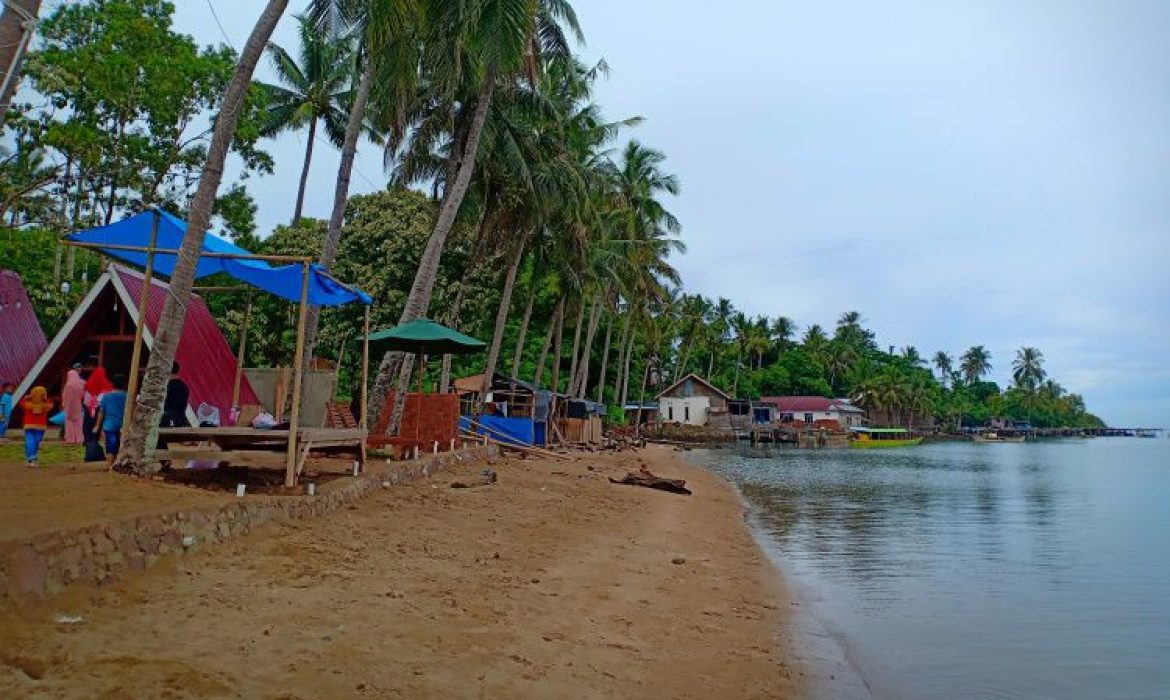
(961, 570)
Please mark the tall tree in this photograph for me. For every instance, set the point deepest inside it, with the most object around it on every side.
(470, 48)
(317, 88)
(140, 438)
(975, 363)
(1027, 369)
(945, 364)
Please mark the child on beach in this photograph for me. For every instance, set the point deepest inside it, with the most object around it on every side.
(111, 408)
(7, 403)
(36, 421)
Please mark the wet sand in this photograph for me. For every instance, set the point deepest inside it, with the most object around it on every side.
(550, 583)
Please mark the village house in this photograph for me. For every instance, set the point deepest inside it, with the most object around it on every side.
(812, 409)
(693, 400)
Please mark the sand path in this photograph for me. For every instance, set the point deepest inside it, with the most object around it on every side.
(551, 583)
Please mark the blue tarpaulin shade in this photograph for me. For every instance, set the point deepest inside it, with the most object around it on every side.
(284, 282)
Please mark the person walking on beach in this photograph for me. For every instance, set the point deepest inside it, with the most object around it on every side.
(111, 409)
(36, 421)
(7, 403)
(73, 403)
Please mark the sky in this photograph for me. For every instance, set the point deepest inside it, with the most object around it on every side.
(989, 172)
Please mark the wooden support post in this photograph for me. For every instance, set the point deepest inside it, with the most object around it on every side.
(365, 366)
(290, 473)
(140, 327)
(240, 354)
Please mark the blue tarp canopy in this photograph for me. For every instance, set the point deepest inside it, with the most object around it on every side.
(284, 282)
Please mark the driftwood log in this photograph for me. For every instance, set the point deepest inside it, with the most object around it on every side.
(644, 478)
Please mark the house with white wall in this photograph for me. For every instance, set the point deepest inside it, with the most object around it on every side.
(810, 409)
(693, 400)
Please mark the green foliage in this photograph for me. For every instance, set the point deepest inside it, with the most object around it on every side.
(33, 253)
(124, 106)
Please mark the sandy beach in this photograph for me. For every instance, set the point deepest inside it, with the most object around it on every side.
(550, 583)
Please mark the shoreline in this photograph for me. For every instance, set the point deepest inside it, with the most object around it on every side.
(551, 581)
(829, 670)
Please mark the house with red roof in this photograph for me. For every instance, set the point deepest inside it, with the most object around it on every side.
(101, 332)
(811, 409)
(21, 339)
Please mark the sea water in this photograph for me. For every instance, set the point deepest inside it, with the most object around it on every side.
(962, 570)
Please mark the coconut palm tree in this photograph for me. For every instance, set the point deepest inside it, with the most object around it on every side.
(388, 39)
(470, 48)
(137, 445)
(975, 363)
(945, 364)
(314, 89)
(1027, 368)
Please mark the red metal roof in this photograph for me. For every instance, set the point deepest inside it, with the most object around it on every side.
(803, 404)
(21, 339)
(206, 362)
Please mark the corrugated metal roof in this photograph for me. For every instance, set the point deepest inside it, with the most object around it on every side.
(21, 338)
(206, 362)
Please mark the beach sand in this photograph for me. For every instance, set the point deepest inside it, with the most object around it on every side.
(550, 583)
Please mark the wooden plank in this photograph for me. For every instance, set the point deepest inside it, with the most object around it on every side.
(242, 458)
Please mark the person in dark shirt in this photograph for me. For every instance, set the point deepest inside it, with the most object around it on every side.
(175, 404)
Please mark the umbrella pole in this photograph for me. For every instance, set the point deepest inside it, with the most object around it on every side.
(240, 354)
(139, 328)
(290, 469)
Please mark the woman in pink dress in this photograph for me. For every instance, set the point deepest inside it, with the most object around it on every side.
(72, 397)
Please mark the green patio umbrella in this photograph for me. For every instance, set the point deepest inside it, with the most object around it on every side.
(424, 336)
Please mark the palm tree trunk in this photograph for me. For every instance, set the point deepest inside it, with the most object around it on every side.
(621, 358)
(419, 297)
(538, 377)
(735, 383)
(519, 354)
(460, 294)
(626, 376)
(642, 399)
(453, 321)
(353, 130)
(576, 347)
(711, 363)
(604, 362)
(558, 350)
(16, 29)
(681, 370)
(501, 319)
(142, 435)
(305, 172)
(587, 349)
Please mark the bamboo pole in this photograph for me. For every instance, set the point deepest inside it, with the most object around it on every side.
(240, 354)
(140, 327)
(365, 366)
(290, 472)
(204, 254)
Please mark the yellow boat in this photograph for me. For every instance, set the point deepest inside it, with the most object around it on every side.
(878, 438)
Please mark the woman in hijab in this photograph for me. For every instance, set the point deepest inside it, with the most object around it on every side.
(73, 403)
(36, 421)
(96, 386)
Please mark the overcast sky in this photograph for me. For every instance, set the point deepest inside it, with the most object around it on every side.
(981, 172)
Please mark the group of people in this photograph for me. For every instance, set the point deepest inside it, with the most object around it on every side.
(94, 408)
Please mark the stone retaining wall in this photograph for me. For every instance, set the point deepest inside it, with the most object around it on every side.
(40, 566)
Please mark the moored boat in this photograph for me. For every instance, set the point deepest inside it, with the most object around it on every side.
(996, 437)
(877, 438)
